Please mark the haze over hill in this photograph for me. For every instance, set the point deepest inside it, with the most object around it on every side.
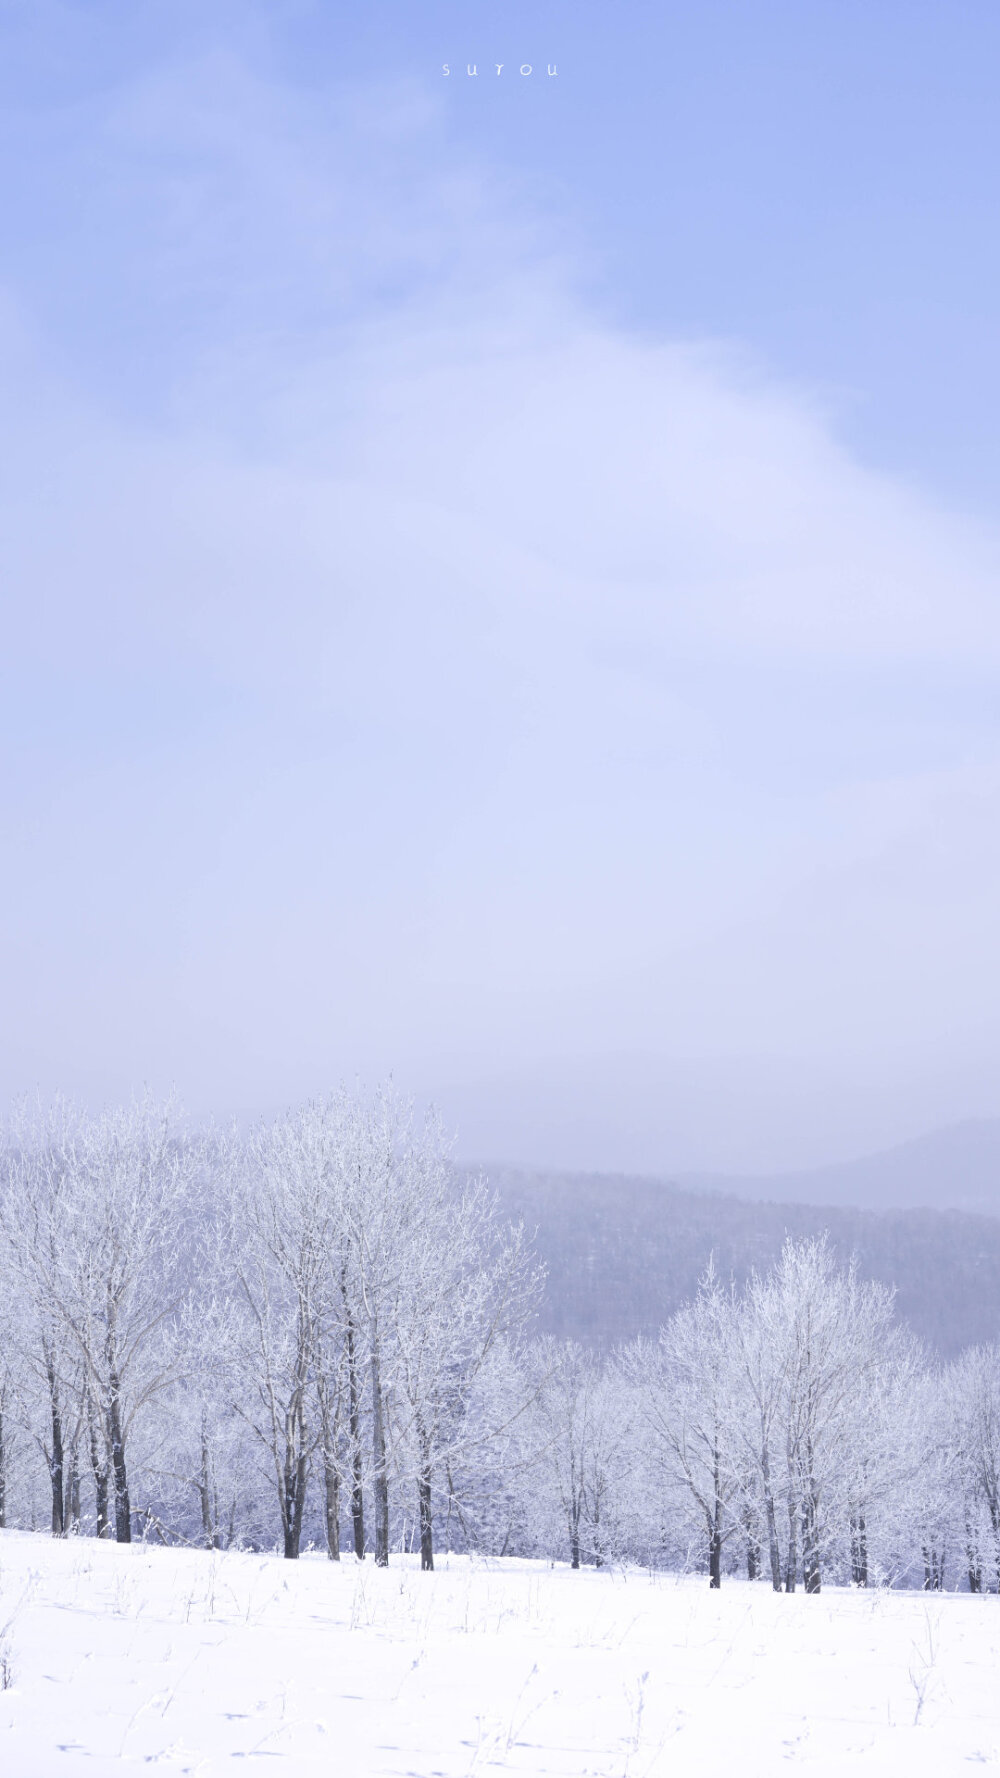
(956, 1168)
(623, 1252)
(732, 1116)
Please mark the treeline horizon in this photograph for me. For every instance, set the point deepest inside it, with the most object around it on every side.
(316, 1333)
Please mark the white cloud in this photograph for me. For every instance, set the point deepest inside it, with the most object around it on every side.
(468, 687)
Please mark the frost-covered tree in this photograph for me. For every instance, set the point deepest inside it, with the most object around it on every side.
(95, 1215)
(372, 1289)
(467, 1284)
(828, 1332)
(41, 1151)
(758, 1354)
(580, 1428)
(685, 1389)
(279, 1233)
(322, 1325)
(972, 1389)
(11, 1383)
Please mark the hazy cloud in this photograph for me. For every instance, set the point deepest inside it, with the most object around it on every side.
(430, 677)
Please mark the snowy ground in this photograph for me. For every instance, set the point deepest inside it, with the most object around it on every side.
(146, 1657)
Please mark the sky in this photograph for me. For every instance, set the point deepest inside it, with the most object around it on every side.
(500, 574)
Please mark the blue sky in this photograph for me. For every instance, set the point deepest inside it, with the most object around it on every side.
(501, 573)
(815, 182)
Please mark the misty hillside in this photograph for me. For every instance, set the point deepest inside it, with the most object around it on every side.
(956, 1168)
(623, 1252)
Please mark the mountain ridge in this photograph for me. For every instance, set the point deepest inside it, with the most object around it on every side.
(954, 1167)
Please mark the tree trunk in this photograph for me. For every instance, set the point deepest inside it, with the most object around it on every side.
(792, 1561)
(715, 1531)
(426, 1525)
(100, 1469)
(753, 1554)
(933, 1569)
(715, 1559)
(74, 1497)
(116, 1440)
(774, 1553)
(380, 1478)
(810, 1544)
(205, 1492)
(329, 1427)
(993, 1503)
(357, 1468)
(859, 1550)
(751, 1533)
(974, 1561)
(810, 1550)
(294, 1503)
(103, 1507)
(810, 1524)
(331, 1480)
(295, 1477)
(56, 1452)
(71, 1484)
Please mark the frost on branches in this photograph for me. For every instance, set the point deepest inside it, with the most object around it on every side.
(320, 1334)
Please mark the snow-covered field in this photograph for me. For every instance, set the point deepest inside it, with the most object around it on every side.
(138, 1657)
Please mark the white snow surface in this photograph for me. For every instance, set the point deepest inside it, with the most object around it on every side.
(139, 1658)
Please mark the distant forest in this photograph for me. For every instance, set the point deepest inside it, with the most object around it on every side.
(623, 1253)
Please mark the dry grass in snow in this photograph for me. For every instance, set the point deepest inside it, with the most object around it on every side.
(130, 1659)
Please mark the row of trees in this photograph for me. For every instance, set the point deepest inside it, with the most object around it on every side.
(320, 1333)
(228, 1318)
(792, 1429)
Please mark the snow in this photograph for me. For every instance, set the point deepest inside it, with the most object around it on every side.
(187, 1663)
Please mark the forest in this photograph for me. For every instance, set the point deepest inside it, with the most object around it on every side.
(621, 1253)
(321, 1334)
